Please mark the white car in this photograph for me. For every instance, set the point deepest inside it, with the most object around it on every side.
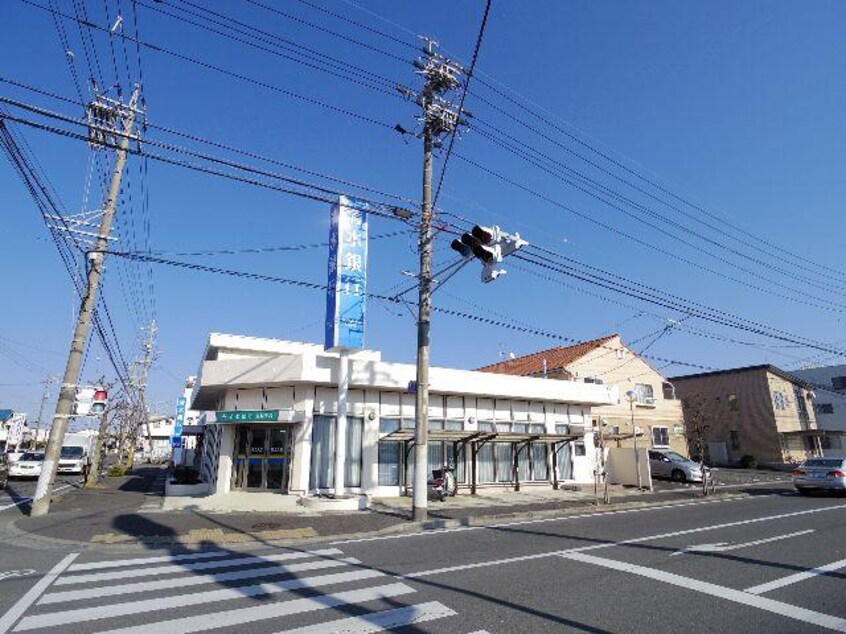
(27, 466)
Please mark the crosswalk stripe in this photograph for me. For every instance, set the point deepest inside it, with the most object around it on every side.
(182, 582)
(241, 616)
(120, 563)
(205, 565)
(379, 621)
(64, 617)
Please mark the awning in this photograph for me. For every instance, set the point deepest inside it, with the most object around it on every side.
(476, 440)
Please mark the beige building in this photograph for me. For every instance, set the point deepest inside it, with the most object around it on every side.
(656, 411)
(760, 411)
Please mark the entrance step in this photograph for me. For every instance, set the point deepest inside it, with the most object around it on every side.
(336, 503)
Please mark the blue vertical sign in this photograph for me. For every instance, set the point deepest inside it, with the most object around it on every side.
(176, 439)
(346, 293)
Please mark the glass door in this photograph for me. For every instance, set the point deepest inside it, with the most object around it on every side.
(262, 458)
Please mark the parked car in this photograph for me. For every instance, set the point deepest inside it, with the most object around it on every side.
(28, 465)
(669, 464)
(820, 474)
(4, 470)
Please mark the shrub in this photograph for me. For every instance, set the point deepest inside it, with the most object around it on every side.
(117, 470)
(749, 462)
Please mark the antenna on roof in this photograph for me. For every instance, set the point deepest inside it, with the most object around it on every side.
(544, 367)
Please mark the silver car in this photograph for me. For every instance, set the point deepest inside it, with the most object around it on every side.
(669, 464)
(820, 474)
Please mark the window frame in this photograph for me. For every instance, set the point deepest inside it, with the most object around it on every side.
(664, 433)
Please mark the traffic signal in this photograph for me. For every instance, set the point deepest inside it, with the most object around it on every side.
(98, 405)
(490, 245)
(83, 401)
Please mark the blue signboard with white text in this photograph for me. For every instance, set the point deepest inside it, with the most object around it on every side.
(346, 292)
(176, 439)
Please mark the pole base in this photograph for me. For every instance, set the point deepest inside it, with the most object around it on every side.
(420, 513)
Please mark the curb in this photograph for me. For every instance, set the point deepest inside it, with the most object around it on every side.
(403, 527)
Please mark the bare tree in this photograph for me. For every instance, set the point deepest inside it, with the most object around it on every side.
(696, 420)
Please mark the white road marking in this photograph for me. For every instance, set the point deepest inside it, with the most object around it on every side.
(637, 540)
(182, 582)
(796, 578)
(729, 594)
(543, 520)
(721, 547)
(379, 621)
(8, 574)
(53, 619)
(25, 500)
(23, 604)
(204, 565)
(264, 612)
(120, 563)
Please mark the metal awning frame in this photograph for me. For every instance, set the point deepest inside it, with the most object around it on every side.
(478, 439)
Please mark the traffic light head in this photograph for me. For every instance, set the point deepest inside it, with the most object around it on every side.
(463, 249)
(98, 406)
(479, 248)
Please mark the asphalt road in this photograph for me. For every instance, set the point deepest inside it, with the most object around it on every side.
(17, 493)
(714, 566)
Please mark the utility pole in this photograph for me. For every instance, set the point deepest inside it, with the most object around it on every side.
(111, 123)
(149, 347)
(439, 118)
(48, 382)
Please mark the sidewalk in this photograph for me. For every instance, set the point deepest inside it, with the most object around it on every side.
(126, 512)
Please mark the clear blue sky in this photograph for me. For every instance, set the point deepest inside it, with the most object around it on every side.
(734, 105)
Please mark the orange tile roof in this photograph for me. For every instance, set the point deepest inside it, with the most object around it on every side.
(556, 358)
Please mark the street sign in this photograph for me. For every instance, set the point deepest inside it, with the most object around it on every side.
(14, 436)
(178, 423)
(346, 292)
(258, 416)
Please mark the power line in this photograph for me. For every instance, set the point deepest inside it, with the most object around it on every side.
(463, 98)
(225, 71)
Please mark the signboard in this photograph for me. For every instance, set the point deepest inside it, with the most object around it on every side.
(16, 430)
(83, 401)
(259, 416)
(176, 439)
(346, 292)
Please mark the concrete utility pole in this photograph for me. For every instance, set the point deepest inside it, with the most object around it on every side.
(149, 347)
(439, 118)
(110, 123)
(48, 382)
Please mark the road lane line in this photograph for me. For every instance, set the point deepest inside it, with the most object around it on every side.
(379, 621)
(120, 563)
(722, 547)
(25, 500)
(241, 616)
(729, 594)
(205, 565)
(182, 582)
(542, 520)
(796, 578)
(636, 540)
(175, 601)
(23, 604)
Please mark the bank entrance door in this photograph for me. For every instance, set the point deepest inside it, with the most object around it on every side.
(262, 457)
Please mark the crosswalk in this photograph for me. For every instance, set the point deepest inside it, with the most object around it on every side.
(318, 591)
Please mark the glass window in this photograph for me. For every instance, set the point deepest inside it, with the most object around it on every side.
(454, 425)
(579, 449)
(519, 428)
(485, 463)
(323, 452)
(504, 456)
(562, 429)
(668, 390)
(540, 466)
(388, 425)
(389, 462)
(504, 427)
(644, 393)
(486, 426)
(524, 463)
(408, 423)
(355, 443)
(734, 405)
(565, 463)
(537, 428)
(734, 437)
(660, 436)
(436, 424)
(838, 382)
